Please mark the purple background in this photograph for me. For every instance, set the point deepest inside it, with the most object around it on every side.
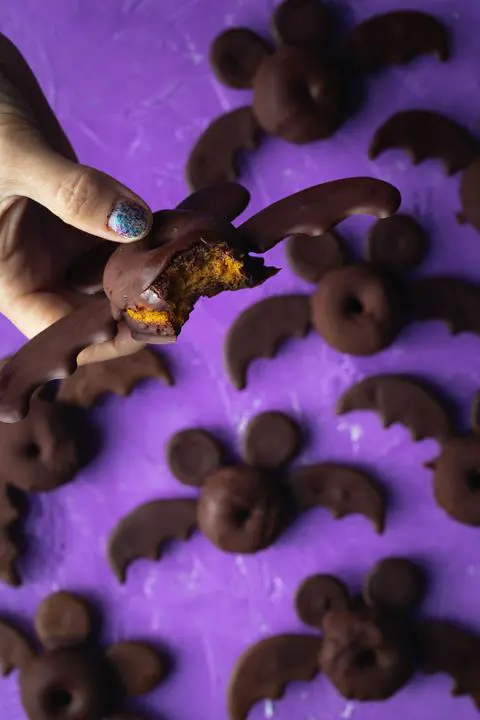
(130, 81)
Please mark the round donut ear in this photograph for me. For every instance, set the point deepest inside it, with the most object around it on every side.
(194, 454)
(272, 439)
(312, 257)
(225, 199)
(15, 649)
(303, 23)
(318, 595)
(398, 243)
(235, 56)
(63, 620)
(138, 667)
(394, 584)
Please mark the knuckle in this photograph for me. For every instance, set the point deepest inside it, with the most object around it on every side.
(77, 193)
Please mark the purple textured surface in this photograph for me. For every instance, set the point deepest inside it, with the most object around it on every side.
(131, 83)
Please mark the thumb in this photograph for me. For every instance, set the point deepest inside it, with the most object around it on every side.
(81, 196)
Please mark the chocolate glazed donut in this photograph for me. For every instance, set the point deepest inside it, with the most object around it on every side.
(456, 482)
(356, 310)
(241, 509)
(65, 684)
(297, 96)
(366, 655)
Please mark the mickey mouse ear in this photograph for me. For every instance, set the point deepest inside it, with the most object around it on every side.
(138, 667)
(15, 650)
(312, 257)
(398, 243)
(235, 56)
(303, 23)
(192, 455)
(225, 199)
(63, 620)
(318, 595)
(272, 439)
(394, 584)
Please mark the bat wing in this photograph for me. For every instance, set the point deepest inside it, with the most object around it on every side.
(143, 532)
(318, 209)
(15, 649)
(341, 489)
(399, 399)
(215, 154)
(426, 135)
(396, 38)
(259, 331)
(119, 375)
(8, 550)
(449, 299)
(52, 355)
(263, 671)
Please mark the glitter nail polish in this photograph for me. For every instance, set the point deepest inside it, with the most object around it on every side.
(128, 219)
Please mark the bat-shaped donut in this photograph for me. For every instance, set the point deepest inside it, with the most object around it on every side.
(340, 489)
(215, 154)
(119, 375)
(139, 287)
(320, 208)
(397, 38)
(452, 300)
(143, 532)
(264, 670)
(424, 135)
(399, 399)
(260, 330)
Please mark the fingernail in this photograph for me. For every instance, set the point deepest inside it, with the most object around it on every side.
(128, 219)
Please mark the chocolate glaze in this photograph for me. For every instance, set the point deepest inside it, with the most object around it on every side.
(423, 135)
(297, 96)
(235, 56)
(397, 38)
(241, 509)
(264, 670)
(319, 208)
(400, 399)
(356, 310)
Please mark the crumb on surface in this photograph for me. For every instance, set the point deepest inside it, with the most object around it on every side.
(203, 270)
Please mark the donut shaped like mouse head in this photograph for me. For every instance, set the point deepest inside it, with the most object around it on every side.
(297, 93)
(359, 308)
(365, 650)
(69, 677)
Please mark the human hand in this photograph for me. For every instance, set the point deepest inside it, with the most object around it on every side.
(52, 209)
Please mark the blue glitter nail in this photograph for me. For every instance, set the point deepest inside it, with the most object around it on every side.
(128, 219)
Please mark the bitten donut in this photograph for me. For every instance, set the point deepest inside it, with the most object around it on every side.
(365, 655)
(355, 310)
(297, 96)
(241, 509)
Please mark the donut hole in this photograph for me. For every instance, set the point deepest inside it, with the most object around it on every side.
(240, 516)
(57, 701)
(352, 306)
(31, 451)
(365, 658)
(473, 481)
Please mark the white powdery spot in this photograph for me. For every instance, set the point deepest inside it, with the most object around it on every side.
(473, 570)
(348, 711)
(277, 589)
(240, 563)
(149, 586)
(356, 433)
(269, 709)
